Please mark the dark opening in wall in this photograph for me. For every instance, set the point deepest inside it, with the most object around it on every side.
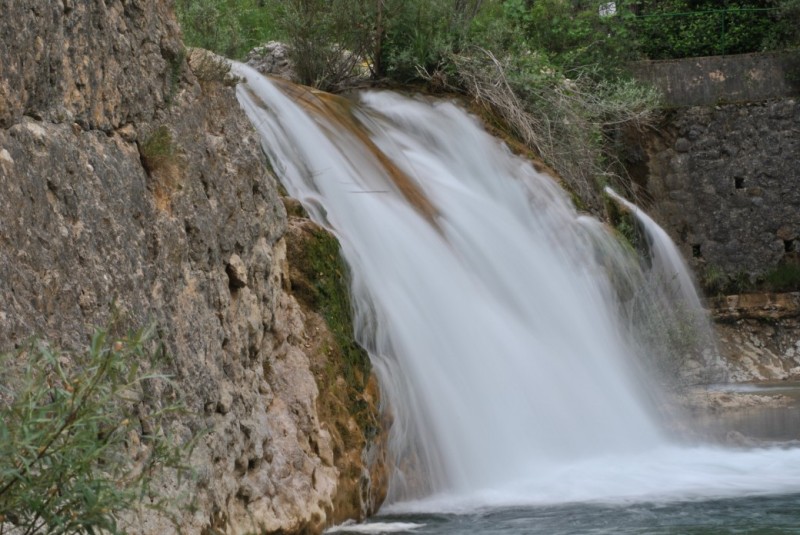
(696, 253)
(738, 182)
(788, 246)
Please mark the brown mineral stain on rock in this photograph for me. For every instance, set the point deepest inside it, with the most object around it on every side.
(338, 109)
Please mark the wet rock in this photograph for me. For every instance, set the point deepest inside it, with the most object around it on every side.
(737, 439)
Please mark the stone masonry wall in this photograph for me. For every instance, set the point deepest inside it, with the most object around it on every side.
(721, 174)
(725, 182)
(707, 81)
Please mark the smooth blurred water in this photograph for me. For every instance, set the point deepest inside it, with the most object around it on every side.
(505, 328)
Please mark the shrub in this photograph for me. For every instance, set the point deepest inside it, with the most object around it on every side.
(572, 35)
(328, 39)
(567, 121)
(682, 28)
(784, 278)
(80, 442)
(421, 34)
(575, 35)
(228, 27)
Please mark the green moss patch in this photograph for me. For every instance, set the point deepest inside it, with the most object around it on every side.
(320, 281)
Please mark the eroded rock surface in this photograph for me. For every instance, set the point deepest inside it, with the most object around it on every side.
(759, 334)
(126, 176)
(99, 64)
(273, 58)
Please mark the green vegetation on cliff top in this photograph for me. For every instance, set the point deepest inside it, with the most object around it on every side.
(551, 73)
(397, 35)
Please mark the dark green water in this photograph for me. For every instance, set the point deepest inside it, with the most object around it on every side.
(762, 515)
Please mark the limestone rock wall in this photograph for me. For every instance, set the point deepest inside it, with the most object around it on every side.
(99, 64)
(760, 336)
(128, 174)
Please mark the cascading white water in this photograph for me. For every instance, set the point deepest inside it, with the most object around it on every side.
(487, 307)
(668, 264)
(668, 300)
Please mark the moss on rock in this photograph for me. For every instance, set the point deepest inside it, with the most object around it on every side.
(319, 279)
(348, 395)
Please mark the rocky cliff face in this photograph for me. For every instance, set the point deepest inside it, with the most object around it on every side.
(98, 64)
(760, 335)
(129, 175)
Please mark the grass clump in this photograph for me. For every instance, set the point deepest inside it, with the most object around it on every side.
(161, 159)
(158, 150)
(81, 442)
(783, 278)
(713, 281)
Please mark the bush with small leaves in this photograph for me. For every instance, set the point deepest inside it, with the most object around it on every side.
(81, 437)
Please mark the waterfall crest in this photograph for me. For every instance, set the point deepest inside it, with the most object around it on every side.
(488, 305)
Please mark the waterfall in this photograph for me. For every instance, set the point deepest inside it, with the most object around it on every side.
(676, 327)
(491, 309)
(667, 262)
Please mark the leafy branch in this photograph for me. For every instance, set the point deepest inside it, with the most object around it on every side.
(82, 437)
